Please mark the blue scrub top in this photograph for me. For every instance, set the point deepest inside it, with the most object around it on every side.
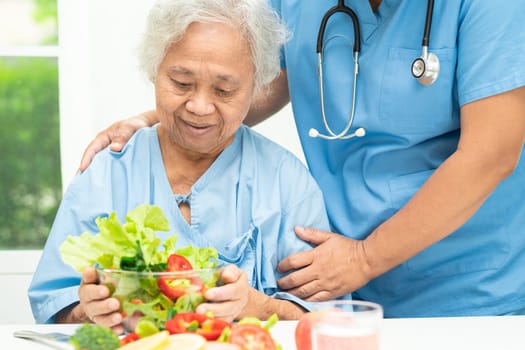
(411, 129)
(245, 205)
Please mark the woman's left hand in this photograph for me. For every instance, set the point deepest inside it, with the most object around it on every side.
(228, 300)
(335, 267)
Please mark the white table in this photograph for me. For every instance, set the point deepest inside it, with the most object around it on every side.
(462, 333)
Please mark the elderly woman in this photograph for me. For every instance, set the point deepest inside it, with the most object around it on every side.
(219, 183)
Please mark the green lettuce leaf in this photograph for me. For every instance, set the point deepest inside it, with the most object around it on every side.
(136, 239)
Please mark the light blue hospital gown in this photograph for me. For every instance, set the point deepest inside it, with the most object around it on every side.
(245, 205)
(411, 129)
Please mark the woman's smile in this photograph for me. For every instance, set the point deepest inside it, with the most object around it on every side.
(196, 128)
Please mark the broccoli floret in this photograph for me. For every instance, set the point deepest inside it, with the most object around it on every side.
(94, 337)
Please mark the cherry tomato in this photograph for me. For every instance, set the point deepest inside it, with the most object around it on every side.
(177, 262)
(252, 337)
(191, 322)
(129, 338)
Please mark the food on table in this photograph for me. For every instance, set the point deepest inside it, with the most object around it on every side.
(186, 341)
(159, 289)
(191, 322)
(157, 296)
(217, 345)
(164, 341)
(251, 334)
(94, 337)
(157, 341)
(150, 282)
(248, 334)
(252, 337)
(130, 338)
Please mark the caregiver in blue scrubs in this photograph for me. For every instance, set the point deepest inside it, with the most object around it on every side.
(427, 209)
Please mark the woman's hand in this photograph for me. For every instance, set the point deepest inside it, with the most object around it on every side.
(336, 266)
(228, 300)
(116, 136)
(96, 304)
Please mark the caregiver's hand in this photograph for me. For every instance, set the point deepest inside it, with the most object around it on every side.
(336, 266)
(116, 136)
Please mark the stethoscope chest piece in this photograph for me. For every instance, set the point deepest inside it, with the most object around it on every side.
(426, 68)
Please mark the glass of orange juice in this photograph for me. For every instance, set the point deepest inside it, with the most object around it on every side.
(347, 324)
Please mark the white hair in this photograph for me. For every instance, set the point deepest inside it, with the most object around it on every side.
(168, 20)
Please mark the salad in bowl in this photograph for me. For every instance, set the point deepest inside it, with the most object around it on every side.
(153, 280)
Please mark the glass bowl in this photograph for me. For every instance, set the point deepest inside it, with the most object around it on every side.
(157, 296)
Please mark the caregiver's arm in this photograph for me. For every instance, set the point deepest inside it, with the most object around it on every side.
(265, 104)
(492, 138)
(270, 101)
(116, 135)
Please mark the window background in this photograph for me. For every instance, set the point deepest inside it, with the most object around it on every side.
(30, 181)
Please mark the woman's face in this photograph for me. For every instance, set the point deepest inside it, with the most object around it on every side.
(204, 88)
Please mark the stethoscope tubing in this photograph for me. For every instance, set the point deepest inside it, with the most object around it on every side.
(425, 78)
(340, 7)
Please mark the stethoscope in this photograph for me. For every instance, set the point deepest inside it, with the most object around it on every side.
(424, 68)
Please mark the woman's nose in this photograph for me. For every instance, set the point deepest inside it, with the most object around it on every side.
(200, 104)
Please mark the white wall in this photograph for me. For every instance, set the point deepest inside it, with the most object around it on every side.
(16, 270)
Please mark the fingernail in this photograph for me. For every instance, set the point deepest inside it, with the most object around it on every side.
(115, 146)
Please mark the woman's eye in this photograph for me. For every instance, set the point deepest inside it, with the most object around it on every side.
(182, 85)
(224, 93)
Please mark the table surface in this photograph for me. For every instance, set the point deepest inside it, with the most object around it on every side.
(459, 333)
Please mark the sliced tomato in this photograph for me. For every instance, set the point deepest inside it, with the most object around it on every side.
(174, 288)
(252, 337)
(177, 262)
(129, 338)
(191, 322)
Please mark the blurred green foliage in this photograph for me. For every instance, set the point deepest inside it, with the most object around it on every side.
(30, 184)
(30, 180)
(46, 10)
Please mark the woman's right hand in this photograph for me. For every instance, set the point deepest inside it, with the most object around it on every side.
(96, 303)
(116, 136)
(228, 300)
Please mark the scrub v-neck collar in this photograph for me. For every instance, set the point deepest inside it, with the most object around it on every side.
(369, 20)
